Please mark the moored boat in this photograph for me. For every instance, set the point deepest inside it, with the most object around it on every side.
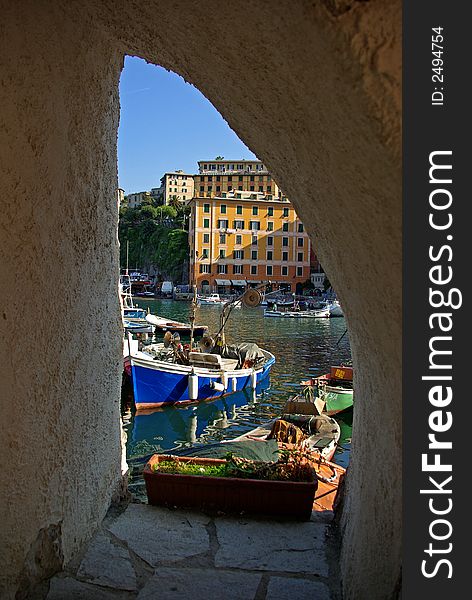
(134, 327)
(163, 324)
(134, 317)
(172, 373)
(164, 376)
(211, 300)
(335, 309)
(334, 388)
(317, 434)
(302, 314)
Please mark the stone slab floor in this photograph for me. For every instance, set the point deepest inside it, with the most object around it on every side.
(150, 553)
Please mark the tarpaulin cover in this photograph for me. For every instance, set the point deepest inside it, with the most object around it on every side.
(247, 351)
(266, 451)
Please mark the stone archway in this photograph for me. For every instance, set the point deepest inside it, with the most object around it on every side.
(314, 89)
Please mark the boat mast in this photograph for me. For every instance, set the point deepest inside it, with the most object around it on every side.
(193, 311)
(127, 296)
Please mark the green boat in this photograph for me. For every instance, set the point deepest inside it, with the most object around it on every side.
(334, 388)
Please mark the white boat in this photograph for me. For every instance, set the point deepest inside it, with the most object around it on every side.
(134, 317)
(137, 327)
(276, 297)
(163, 324)
(335, 309)
(322, 313)
(211, 300)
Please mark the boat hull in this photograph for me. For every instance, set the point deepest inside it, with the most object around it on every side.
(161, 384)
(138, 327)
(197, 331)
(329, 387)
(335, 310)
(337, 402)
(320, 314)
(164, 325)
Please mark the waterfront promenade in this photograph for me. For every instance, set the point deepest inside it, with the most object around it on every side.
(146, 552)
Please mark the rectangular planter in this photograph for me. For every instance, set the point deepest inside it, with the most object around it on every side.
(230, 495)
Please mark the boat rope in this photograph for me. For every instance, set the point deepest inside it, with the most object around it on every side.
(325, 494)
(341, 337)
(327, 479)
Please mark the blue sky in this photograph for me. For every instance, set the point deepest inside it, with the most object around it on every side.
(166, 124)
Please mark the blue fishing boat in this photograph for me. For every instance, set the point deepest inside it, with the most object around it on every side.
(171, 373)
(159, 382)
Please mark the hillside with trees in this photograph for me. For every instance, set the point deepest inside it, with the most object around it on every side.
(158, 239)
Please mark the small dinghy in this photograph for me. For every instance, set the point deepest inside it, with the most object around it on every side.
(318, 434)
(211, 300)
(334, 388)
(322, 313)
(164, 325)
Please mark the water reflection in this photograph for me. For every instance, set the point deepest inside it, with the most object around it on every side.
(172, 427)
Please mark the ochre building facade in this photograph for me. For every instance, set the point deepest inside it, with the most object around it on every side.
(242, 238)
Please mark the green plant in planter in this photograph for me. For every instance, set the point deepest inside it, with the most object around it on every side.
(177, 467)
(292, 466)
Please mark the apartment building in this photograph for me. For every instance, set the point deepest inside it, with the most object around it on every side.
(219, 177)
(136, 199)
(178, 184)
(245, 237)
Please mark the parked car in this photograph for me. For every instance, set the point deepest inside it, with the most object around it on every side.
(167, 289)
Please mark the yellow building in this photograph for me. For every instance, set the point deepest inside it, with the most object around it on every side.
(218, 177)
(177, 185)
(240, 238)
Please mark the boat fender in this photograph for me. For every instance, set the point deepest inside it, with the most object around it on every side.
(253, 380)
(326, 479)
(234, 384)
(193, 386)
(224, 380)
(215, 385)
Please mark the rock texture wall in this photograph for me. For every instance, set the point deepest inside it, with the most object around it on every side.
(314, 89)
(59, 311)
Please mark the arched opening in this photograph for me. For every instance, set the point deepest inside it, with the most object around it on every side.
(325, 104)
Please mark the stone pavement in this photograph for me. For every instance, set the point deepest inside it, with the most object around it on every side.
(151, 553)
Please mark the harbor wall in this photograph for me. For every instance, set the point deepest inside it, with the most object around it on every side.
(314, 90)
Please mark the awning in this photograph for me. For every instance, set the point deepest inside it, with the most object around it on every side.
(222, 282)
(254, 281)
(239, 282)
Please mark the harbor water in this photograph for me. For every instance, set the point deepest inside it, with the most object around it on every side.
(303, 348)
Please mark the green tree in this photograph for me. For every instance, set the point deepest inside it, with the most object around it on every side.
(167, 212)
(149, 212)
(152, 243)
(175, 202)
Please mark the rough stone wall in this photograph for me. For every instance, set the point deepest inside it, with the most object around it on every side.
(314, 89)
(59, 311)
